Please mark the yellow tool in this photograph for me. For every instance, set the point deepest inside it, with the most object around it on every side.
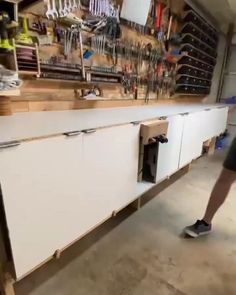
(5, 20)
(24, 36)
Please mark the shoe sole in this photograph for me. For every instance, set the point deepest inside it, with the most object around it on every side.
(194, 235)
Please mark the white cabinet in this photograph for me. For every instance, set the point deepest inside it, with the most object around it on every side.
(43, 198)
(192, 139)
(199, 127)
(213, 122)
(56, 190)
(222, 116)
(207, 120)
(111, 168)
(168, 154)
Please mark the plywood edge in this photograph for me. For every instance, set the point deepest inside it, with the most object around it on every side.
(210, 145)
(63, 105)
(7, 285)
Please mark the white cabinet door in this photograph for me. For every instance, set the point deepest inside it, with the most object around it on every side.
(213, 122)
(192, 140)
(111, 168)
(43, 196)
(207, 124)
(221, 121)
(168, 155)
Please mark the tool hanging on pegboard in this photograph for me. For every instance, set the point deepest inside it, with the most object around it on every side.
(104, 8)
(98, 44)
(61, 8)
(71, 40)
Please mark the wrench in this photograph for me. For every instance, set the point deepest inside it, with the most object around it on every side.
(70, 6)
(101, 45)
(118, 14)
(100, 7)
(54, 9)
(49, 12)
(107, 4)
(65, 9)
(94, 7)
(104, 45)
(68, 42)
(91, 5)
(61, 10)
(65, 42)
(96, 44)
(74, 6)
(97, 5)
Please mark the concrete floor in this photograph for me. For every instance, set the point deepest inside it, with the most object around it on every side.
(143, 253)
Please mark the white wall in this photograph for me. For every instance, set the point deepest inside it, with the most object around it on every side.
(229, 88)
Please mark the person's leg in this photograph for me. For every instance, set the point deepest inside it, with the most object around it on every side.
(219, 193)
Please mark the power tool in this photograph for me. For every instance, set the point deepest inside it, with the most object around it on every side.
(24, 36)
(5, 21)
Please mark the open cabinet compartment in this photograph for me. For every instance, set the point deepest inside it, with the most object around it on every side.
(152, 134)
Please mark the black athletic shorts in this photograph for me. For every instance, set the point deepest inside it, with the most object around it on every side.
(230, 161)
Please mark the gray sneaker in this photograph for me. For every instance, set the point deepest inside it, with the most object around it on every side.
(200, 228)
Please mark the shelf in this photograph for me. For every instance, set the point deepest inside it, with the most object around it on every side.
(203, 21)
(200, 32)
(197, 64)
(52, 67)
(28, 73)
(15, 92)
(199, 50)
(184, 79)
(201, 61)
(192, 91)
(106, 74)
(186, 65)
(188, 94)
(190, 76)
(200, 57)
(69, 84)
(192, 85)
(205, 34)
(214, 53)
(175, 58)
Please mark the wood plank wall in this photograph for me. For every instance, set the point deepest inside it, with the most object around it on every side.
(47, 96)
